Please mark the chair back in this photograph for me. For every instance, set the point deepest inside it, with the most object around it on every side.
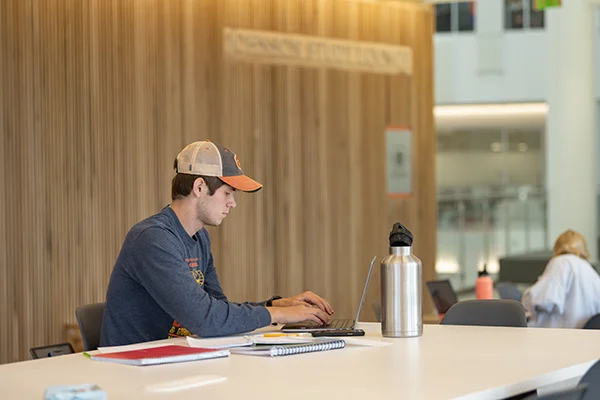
(51, 351)
(592, 379)
(593, 323)
(576, 393)
(89, 318)
(509, 313)
(509, 291)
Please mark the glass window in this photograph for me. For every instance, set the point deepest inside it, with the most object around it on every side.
(513, 14)
(521, 14)
(466, 16)
(537, 16)
(455, 17)
(490, 196)
(443, 18)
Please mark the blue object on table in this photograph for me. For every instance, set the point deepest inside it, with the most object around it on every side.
(86, 391)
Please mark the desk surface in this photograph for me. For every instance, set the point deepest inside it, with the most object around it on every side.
(447, 362)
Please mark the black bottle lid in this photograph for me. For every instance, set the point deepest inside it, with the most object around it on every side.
(400, 236)
(484, 272)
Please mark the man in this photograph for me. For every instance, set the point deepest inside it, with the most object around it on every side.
(164, 283)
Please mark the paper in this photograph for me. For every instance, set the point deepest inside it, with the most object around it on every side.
(249, 340)
(140, 346)
(219, 343)
(281, 338)
(354, 341)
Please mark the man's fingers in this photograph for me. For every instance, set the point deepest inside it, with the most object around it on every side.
(321, 303)
(321, 315)
(328, 307)
(314, 299)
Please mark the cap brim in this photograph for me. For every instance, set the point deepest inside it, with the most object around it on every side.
(242, 182)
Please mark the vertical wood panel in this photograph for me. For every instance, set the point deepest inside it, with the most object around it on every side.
(26, 208)
(98, 97)
(262, 132)
(5, 274)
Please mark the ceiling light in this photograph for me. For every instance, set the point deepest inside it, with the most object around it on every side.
(483, 110)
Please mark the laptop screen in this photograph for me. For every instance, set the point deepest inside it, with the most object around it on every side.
(443, 295)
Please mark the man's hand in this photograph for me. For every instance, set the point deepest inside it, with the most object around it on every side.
(306, 299)
(284, 315)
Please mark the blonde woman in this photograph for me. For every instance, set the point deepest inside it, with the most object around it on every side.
(567, 293)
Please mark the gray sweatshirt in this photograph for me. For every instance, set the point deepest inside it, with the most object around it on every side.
(164, 284)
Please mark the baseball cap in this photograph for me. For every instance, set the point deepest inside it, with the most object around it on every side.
(210, 159)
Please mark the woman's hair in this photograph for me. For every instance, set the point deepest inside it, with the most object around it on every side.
(571, 242)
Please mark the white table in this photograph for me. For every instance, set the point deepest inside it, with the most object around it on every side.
(447, 362)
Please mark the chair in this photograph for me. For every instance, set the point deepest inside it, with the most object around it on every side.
(509, 291)
(508, 313)
(588, 388)
(51, 351)
(592, 379)
(593, 323)
(89, 318)
(576, 393)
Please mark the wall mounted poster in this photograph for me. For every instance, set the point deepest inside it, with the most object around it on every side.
(399, 161)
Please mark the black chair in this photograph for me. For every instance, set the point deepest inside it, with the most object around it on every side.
(588, 388)
(509, 313)
(576, 393)
(593, 323)
(89, 318)
(592, 379)
(51, 351)
(509, 291)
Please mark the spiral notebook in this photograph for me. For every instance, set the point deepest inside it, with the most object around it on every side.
(290, 349)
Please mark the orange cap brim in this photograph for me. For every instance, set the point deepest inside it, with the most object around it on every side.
(242, 182)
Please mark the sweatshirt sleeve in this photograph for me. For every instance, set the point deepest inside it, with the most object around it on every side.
(165, 275)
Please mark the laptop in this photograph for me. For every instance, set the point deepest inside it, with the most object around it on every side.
(443, 295)
(335, 324)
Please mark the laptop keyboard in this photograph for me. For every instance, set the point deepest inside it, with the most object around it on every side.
(334, 324)
(340, 324)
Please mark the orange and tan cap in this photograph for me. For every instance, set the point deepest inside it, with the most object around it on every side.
(210, 159)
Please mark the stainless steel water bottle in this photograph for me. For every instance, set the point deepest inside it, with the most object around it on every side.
(401, 287)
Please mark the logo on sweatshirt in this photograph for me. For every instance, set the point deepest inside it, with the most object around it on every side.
(198, 276)
(195, 270)
(176, 329)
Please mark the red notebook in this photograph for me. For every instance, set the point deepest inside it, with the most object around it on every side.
(161, 355)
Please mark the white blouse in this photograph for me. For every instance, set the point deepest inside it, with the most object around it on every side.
(566, 295)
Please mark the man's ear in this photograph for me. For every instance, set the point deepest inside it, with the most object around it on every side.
(199, 184)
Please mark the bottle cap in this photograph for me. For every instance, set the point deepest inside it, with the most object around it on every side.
(400, 236)
(484, 272)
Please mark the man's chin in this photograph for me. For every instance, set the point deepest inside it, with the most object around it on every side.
(214, 223)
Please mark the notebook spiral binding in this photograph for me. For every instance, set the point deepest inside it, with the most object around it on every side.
(306, 348)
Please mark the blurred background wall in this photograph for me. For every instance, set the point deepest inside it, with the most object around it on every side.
(97, 98)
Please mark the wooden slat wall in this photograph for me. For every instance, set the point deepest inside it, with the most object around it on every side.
(97, 97)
